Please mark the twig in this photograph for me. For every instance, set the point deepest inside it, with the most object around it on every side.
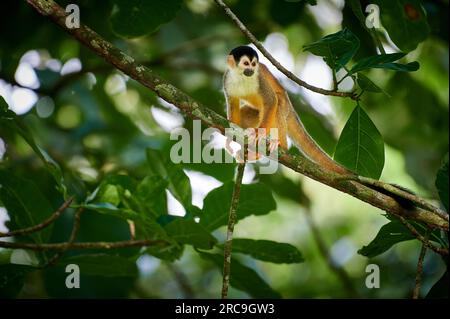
(231, 221)
(425, 241)
(419, 272)
(323, 249)
(277, 64)
(44, 224)
(86, 245)
(73, 236)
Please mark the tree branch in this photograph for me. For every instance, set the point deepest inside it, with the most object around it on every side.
(416, 291)
(73, 236)
(192, 108)
(86, 245)
(230, 229)
(425, 241)
(44, 224)
(277, 64)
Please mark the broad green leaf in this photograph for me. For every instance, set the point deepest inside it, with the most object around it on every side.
(244, 278)
(440, 288)
(11, 120)
(405, 21)
(179, 184)
(267, 250)
(147, 197)
(442, 184)
(25, 203)
(103, 265)
(337, 49)
(189, 232)
(389, 234)
(151, 192)
(360, 147)
(255, 199)
(367, 85)
(384, 61)
(134, 18)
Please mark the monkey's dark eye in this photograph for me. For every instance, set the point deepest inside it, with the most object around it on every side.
(254, 64)
(246, 63)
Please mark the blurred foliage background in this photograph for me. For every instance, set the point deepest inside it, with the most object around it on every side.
(96, 123)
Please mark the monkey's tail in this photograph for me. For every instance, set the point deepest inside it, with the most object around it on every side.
(303, 140)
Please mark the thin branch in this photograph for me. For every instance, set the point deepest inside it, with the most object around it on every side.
(425, 241)
(230, 229)
(86, 245)
(44, 224)
(72, 238)
(277, 64)
(194, 109)
(416, 291)
(323, 249)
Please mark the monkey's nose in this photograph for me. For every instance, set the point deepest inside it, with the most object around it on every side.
(248, 72)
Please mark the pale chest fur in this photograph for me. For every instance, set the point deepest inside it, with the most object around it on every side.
(239, 85)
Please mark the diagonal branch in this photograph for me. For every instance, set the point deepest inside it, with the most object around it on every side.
(277, 64)
(192, 108)
(44, 224)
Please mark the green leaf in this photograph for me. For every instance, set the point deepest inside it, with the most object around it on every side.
(189, 232)
(442, 184)
(151, 192)
(267, 250)
(337, 49)
(360, 147)
(11, 120)
(255, 199)
(367, 85)
(178, 182)
(389, 234)
(405, 21)
(103, 265)
(244, 278)
(25, 203)
(384, 61)
(134, 18)
(147, 197)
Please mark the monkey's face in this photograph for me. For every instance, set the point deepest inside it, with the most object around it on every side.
(247, 65)
(243, 60)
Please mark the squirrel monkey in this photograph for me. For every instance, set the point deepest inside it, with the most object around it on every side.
(255, 99)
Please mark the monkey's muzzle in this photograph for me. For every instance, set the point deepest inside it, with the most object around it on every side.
(248, 72)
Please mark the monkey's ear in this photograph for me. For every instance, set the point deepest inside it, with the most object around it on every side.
(231, 62)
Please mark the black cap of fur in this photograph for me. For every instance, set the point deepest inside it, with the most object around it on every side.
(239, 52)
